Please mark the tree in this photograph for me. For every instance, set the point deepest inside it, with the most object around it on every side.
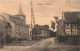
(53, 25)
(56, 19)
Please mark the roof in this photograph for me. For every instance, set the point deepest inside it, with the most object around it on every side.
(71, 16)
(18, 23)
(15, 18)
(42, 27)
(2, 24)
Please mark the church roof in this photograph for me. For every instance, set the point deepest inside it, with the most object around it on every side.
(15, 19)
(2, 24)
(19, 22)
(2, 20)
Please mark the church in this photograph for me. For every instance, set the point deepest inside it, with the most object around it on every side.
(15, 25)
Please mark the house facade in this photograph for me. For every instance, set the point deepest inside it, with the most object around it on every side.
(68, 29)
(41, 31)
(69, 24)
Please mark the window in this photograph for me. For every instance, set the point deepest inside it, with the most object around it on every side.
(67, 24)
(74, 31)
(74, 24)
(68, 31)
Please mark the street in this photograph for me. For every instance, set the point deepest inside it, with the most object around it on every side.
(48, 44)
(23, 43)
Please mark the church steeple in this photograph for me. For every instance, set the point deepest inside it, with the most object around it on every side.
(20, 12)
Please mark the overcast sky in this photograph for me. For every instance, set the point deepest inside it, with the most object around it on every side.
(44, 11)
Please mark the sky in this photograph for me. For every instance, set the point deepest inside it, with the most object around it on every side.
(44, 11)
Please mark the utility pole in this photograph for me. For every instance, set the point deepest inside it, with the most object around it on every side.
(63, 23)
(32, 20)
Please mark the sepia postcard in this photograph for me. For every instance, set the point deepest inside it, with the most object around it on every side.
(39, 25)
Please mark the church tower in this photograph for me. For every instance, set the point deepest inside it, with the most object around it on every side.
(21, 14)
